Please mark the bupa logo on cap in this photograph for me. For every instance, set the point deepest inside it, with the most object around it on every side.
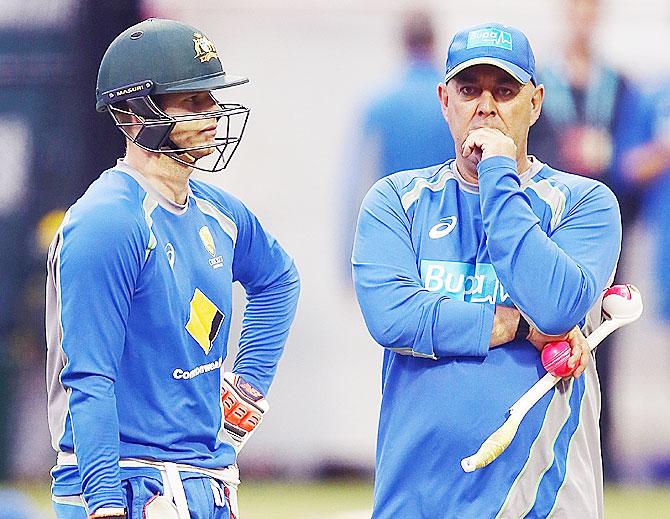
(489, 37)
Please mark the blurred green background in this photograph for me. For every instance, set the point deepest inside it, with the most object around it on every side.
(344, 499)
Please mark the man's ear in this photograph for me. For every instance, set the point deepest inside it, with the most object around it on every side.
(536, 103)
(443, 97)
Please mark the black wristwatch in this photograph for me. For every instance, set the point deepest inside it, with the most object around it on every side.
(522, 329)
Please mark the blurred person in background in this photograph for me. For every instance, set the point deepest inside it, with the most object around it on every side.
(139, 297)
(590, 116)
(463, 272)
(402, 127)
(648, 167)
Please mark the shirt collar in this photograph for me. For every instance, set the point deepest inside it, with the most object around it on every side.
(163, 201)
(535, 167)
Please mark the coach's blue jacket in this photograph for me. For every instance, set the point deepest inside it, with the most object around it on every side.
(433, 256)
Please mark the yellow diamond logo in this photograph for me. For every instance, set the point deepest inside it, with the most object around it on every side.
(204, 321)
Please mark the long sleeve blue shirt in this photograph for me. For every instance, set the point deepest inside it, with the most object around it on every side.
(432, 258)
(138, 313)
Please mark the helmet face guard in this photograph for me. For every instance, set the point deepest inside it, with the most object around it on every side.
(155, 127)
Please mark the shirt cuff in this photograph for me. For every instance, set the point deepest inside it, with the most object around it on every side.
(471, 332)
(497, 163)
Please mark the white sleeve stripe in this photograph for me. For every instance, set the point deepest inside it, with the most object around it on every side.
(410, 351)
(413, 195)
(553, 197)
(227, 225)
(149, 204)
(58, 401)
(68, 500)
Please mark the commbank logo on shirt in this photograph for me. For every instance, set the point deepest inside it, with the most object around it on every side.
(475, 283)
(204, 320)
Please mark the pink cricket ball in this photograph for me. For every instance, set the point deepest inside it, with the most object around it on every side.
(555, 357)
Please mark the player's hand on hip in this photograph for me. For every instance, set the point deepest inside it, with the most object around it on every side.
(483, 143)
(243, 407)
(580, 353)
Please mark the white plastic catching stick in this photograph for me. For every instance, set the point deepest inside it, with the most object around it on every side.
(622, 304)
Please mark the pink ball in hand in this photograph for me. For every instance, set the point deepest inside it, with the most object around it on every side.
(555, 357)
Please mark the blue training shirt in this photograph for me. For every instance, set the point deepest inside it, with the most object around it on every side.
(656, 202)
(138, 313)
(433, 255)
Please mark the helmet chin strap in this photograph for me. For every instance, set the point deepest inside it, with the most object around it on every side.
(189, 157)
(187, 160)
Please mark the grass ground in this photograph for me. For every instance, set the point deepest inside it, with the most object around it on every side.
(352, 500)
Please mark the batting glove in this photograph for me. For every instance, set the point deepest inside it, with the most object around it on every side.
(243, 408)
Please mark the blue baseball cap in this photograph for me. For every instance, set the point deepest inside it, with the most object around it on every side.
(492, 44)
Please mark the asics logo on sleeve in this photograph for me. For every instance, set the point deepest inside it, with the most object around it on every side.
(443, 228)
